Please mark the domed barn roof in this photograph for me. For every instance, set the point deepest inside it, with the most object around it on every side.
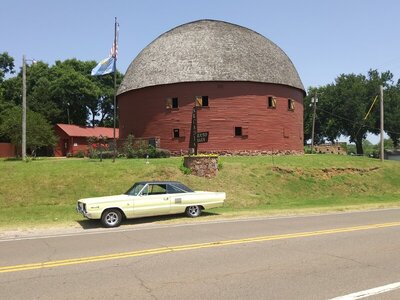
(208, 50)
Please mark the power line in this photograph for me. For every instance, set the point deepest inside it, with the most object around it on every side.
(355, 123)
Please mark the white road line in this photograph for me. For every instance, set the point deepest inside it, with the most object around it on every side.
(370, 292)
(147, 226)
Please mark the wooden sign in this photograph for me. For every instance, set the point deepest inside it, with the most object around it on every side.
(202, 137)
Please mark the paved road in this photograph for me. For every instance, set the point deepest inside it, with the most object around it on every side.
(306, 257)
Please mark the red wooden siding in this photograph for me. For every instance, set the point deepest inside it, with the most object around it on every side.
(143, 112)
(7, 150)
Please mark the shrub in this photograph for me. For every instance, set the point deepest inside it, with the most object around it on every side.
(128, 149)
(142, 150)
(220, 165)
(163, 153)
(79, 154)
(184, 169)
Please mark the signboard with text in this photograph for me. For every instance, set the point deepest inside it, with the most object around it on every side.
(202, 137)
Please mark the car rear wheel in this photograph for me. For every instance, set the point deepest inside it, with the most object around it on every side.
(111, 218)
(193, 211)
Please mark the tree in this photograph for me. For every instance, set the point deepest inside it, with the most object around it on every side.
(327, 126)
(39, 132)
(343, 106)
(351, 105)
(65, 92)
(4, 107)
(71, 91)
(88, 99)
(392, 113)
(6, 65)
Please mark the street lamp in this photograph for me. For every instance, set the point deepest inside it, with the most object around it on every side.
(24, 60)
(314, 101)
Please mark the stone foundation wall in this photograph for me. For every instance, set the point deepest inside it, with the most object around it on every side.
(204, 166)
(244, 153)
(330, 149)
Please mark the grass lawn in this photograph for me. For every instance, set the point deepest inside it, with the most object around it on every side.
(45, 191)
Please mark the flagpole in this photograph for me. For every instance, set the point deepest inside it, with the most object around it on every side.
(115, 87)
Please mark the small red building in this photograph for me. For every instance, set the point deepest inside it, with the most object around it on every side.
(73, 138)
(7, 150)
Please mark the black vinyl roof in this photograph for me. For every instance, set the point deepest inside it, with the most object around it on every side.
(175, 183)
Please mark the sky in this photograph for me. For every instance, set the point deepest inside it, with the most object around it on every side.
(323, 38)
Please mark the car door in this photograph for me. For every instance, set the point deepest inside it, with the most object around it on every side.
(152, 201)
(177, 198)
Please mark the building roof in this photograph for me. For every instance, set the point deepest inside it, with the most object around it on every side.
(81, 131)
(209, 50)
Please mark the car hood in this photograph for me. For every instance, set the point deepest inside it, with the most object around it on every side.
(104, 199)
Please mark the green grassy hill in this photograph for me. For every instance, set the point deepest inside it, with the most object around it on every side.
(45, 190)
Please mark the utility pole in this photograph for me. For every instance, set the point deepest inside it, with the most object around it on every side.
(23, 108)
(382, 132)
(115, 89)
(314, 101)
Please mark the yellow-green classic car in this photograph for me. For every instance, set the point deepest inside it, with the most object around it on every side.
(149, 198)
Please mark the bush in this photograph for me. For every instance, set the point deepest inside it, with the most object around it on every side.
(157, 153)
(108, 154)
(184, 169)
(79, 154)
(143, 150)
(127, 148)
(220, 165)
(93, 153)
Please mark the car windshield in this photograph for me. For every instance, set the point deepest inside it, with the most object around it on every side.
(135, 190)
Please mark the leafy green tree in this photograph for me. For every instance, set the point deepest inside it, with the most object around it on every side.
(343, 106)
(72, 91)
(91, 101)
(12, 90)
(39, 133)
(4, 107)
(351, 99)
(392, 113)
(65, 92)
(327, 126)
(6, 65)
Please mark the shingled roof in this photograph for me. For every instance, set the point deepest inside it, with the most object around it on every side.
(81, 131)
(209, 50)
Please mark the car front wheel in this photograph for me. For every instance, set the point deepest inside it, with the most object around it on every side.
(193, 211)
(111, 218)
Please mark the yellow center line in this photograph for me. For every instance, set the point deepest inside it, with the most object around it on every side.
(90, 259)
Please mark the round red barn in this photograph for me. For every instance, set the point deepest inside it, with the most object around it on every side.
(248, 92)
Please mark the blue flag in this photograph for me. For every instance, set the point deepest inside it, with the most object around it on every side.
(106, 66)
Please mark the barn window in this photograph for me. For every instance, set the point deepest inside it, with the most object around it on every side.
(202, 101)
(291, 104)
(175, 103)
(172, 103)
(176, 133)
(241, 131)
(238, 131)
(271, 102)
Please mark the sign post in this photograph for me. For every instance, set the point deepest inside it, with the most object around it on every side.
(196, 137)
(193, 133)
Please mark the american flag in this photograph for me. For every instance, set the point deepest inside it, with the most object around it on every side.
(114, 48)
